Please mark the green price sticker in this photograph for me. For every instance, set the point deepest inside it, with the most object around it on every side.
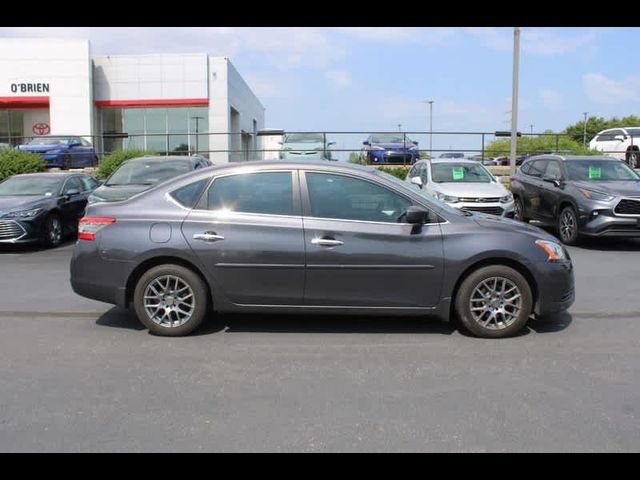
(595, 172)
(458, 173)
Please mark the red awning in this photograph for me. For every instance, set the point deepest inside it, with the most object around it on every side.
(24, 102)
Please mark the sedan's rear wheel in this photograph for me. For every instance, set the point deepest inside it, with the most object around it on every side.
(494, 301)
(170, 300)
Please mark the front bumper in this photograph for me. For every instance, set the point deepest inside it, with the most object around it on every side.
(303, 155)
(13, 231)
(392, 156)
(603, 222)
(556, 287)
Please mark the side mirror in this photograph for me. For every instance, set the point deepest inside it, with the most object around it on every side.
(416, 181)
(366, 143)
(279, 143)
(330, 143)
(417, 215)
(72, 192)
(414, 142)
(553, 180)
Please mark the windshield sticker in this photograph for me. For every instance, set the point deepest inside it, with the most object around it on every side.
(595, 172)
(458, 173)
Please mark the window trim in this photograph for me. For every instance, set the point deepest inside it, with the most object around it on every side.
(203, 202)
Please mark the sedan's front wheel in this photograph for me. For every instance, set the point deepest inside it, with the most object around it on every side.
(170, 300)
(494, 301)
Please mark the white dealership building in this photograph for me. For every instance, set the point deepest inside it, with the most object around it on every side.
(162, 102)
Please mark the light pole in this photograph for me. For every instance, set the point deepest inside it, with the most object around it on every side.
(399, 127)
(584, 135)
(430, 102)
(531, 129)
(514, 99)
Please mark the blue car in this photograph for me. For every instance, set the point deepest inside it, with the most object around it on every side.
(63, 152)
(389, 148)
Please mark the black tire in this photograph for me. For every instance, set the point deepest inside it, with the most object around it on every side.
(66, 162)
(633, 158)
(475, 280)
(188, 277)
(567, 226)
(518, 208)
(53, 231)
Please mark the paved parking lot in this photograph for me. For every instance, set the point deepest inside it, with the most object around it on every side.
(78, 375)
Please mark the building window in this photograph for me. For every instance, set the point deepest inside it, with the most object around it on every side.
(168, 131)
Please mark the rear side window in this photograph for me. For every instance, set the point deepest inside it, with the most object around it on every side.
(188, 195)
(264, 192)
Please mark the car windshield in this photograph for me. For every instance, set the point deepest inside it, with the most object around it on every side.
(599, 170)
(49, 141)
(460, 173)
(148, 172)
(46, 186)
(304, 138)
(390, 139)
(634, 132)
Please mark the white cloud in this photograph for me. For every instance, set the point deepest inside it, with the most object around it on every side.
(424, 35)
(537, 41)
(600, 89)
(341, 78)
(551, 98)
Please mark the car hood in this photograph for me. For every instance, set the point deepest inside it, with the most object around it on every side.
(21, 202)
(624, 188)
(302, 146)
(394, 146)
(40, 148)
(116, 193)
(509, 225)
(467, 189)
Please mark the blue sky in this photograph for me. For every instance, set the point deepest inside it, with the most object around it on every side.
(372, 79)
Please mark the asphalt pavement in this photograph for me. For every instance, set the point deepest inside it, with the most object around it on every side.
(78, 375)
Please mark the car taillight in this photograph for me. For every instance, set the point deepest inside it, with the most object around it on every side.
(89, 226)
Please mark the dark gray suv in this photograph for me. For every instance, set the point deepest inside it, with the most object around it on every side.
(313, 237)
(579, 195)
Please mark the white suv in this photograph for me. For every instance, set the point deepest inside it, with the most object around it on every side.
(620, 143)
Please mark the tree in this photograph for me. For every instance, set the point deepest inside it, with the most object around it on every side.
(547, 142)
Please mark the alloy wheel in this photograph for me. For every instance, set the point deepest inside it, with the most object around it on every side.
(495, 303)
(567, 225)
(54, 232)
(169, 301)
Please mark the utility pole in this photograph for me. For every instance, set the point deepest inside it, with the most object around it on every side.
(430, 102)
(531, 129)
(514, 99)
(399, 127)
(584, 135)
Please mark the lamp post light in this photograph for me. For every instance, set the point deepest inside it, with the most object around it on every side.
(430, 102)
(514, 99)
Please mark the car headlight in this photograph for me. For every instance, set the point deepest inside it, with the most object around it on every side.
(554, 251)
(445, 198)
(54, 152)
(94, 198)
(286, 149)
(414, 148)
(23, 213)
(376, 147)
(506, 199)
(599, 196)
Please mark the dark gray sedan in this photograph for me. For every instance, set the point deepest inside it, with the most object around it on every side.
(311, 237)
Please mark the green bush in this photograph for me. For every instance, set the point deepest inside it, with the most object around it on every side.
(112, 161)
(13, 162)
(400, 172)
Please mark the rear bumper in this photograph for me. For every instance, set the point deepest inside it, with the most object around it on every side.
(96, 278)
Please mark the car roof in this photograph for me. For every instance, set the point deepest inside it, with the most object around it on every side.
(571, 157)
(51, 174)
(159, 158)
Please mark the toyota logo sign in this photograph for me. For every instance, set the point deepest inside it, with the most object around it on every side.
(41, 128)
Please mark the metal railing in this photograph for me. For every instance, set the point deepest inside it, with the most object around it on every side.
(336, 145)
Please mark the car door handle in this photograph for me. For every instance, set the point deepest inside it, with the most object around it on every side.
(208, 237)
(326, 242)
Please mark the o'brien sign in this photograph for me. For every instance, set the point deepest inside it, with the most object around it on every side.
(29, 88)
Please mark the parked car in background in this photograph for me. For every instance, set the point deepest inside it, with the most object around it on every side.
(139, 174)
(490, 162)
(385, 148)
(43, 207)
(620, 143)
(464, 184)
(62, 152)
(313, 237)
(579, 195)
(452, 155)
(305, 146)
